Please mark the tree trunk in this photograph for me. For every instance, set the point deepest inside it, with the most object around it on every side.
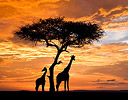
(51, 69)
(51, 79)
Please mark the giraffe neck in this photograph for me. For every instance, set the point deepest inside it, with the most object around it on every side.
(69, 66)
(44, 73)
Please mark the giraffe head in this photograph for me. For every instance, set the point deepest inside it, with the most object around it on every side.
(45, 69)
(73, 57)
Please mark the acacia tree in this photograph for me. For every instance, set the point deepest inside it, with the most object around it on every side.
(66, 33)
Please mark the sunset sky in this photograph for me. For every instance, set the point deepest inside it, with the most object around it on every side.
(100, 66)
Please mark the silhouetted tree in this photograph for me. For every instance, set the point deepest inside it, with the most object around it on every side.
(58, 33)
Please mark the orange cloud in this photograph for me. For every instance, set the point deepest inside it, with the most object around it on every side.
(104, 13)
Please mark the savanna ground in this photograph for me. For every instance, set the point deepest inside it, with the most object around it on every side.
(77, 94)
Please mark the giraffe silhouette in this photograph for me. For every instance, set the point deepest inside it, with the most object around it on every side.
(64, 75)
(41, 80)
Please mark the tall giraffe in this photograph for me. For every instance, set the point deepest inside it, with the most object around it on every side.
(41, 80)
(64, 75)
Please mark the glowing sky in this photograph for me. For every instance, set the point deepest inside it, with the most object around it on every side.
(103, 65)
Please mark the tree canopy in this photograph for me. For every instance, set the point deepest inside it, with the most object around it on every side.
(68, 33)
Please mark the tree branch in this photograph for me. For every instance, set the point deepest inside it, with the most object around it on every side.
(53, 44)
(66, 51)
(59, 62)
(64, 47)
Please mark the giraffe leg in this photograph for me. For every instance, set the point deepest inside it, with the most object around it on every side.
(68, 84)
(43, 84)
(37, 86)
(57, 86)
(65, 85)
(42, 88)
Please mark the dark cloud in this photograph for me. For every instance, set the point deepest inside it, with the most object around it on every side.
(101, 80)
(119, 69)
(80, 8)
(21, 42)
(114, 83)
(106, 83)
(111, 80)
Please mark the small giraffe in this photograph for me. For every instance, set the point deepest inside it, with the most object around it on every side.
(41, 80)
(64, 75)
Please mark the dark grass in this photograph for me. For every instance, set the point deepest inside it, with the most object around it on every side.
(78, 94)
